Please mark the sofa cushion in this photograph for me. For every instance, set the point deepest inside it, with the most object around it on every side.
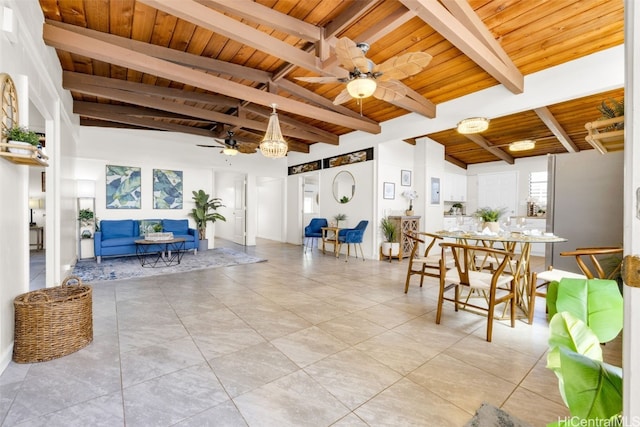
(119, 241)
(117, 228)
(176, 226)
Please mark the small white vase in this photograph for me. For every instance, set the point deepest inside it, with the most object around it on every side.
(492, 226)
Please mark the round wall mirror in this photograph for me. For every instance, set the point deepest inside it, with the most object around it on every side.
(344, 187)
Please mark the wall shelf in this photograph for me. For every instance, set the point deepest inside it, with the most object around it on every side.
(605, 140)
(35, 157)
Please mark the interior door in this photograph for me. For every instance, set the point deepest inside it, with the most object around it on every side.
(240, 212)
(310, 199)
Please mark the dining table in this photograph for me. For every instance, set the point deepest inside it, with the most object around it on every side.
(516, 242)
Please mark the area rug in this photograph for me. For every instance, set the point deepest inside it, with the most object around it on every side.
(129, 267)
(489, 416)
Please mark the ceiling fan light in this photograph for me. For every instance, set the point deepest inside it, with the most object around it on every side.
(361, 87)
(473, 125)
(526, 144)
(273, 144)
(230, 151)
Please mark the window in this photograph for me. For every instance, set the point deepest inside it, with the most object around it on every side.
(538, 188)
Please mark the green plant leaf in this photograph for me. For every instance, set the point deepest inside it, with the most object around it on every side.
(595, 389)
(596, 302)
(552, 297)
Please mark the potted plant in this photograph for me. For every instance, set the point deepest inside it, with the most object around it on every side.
(205, 211)
(585, 313)
(390, 247)
(339, 217)
(411, 195)
(19, 135)
(85, 216)
(490, 217)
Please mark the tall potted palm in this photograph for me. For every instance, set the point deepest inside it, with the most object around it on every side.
(205, 211)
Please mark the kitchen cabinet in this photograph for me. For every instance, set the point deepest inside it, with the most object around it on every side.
(455, 187)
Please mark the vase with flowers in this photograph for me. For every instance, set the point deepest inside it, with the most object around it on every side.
(411, 195)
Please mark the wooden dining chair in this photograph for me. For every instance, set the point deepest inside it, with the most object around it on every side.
(589, 260)
(423, 263)
(466, 276)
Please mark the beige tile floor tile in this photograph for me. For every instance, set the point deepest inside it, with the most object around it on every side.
(533, 408)
(309, 345)
(352, 328)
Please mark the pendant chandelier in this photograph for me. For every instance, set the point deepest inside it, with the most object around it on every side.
(273, 144)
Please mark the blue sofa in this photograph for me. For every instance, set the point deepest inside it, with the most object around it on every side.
(117, 237)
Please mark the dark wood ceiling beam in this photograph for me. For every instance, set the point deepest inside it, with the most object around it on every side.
(550, 121)
(259, 14)
(455, 161)
(168, 54)
(212, 20)
(326, 137)
(145, 89)
(160, 104)
(105, 112)
(311, 96)
(350, 15)
(106, 124)
(83, 45)
(440, 19)
(478, 139)
(386, 25)
(140, 112)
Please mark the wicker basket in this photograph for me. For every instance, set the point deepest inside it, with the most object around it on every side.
(52, 322)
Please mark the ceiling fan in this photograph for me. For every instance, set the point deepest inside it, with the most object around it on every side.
(366, 78)
(231, 146)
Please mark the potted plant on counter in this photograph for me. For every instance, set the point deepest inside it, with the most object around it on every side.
(205, 211)
(390, 247)
(340, 217)
(490, 217)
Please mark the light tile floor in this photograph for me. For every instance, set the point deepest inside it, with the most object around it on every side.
(301, 340)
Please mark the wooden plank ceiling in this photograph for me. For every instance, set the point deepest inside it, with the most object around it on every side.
(209, 66)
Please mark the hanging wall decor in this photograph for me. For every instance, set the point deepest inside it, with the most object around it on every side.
(123, 187)
(167, 189)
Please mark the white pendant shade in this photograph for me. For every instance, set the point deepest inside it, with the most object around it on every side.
(361, 87)
(473, 125)
(229, 151)
(273, 144)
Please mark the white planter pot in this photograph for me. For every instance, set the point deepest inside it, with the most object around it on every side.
(19, 150)
(492, 226)
(394, 247)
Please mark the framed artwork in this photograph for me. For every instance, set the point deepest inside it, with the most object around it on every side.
(349, 158)
(305, 167)
(435, 191)
(389, 190)
(43, 181)
(167, 189)
(123, 187)
(405, 178)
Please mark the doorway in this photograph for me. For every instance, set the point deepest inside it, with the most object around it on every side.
(310, 199)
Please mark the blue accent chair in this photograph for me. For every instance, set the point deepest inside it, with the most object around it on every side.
(352, 236)
(313, 231)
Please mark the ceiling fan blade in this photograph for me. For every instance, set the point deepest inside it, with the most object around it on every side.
(390, 90)
(342, 97)
(350, 55)
(208, 146)
(247, 148)
(318, 79)
(403, 66)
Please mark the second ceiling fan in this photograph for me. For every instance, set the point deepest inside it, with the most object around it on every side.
(366, 78)
(231, 146)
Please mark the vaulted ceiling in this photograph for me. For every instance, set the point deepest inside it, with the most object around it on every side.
(205, 67)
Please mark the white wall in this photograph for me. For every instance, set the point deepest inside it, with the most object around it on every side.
(270, 199)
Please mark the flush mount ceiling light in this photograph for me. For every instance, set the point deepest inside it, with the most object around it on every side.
(526, 144)
(362, 86)
(473, 125)
(273, 144)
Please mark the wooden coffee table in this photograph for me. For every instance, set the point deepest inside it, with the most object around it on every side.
(160, 253)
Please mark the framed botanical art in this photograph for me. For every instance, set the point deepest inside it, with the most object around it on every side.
(167, 189)
(123, 187)
(405, 178)
(435, 191)
(389, 190)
